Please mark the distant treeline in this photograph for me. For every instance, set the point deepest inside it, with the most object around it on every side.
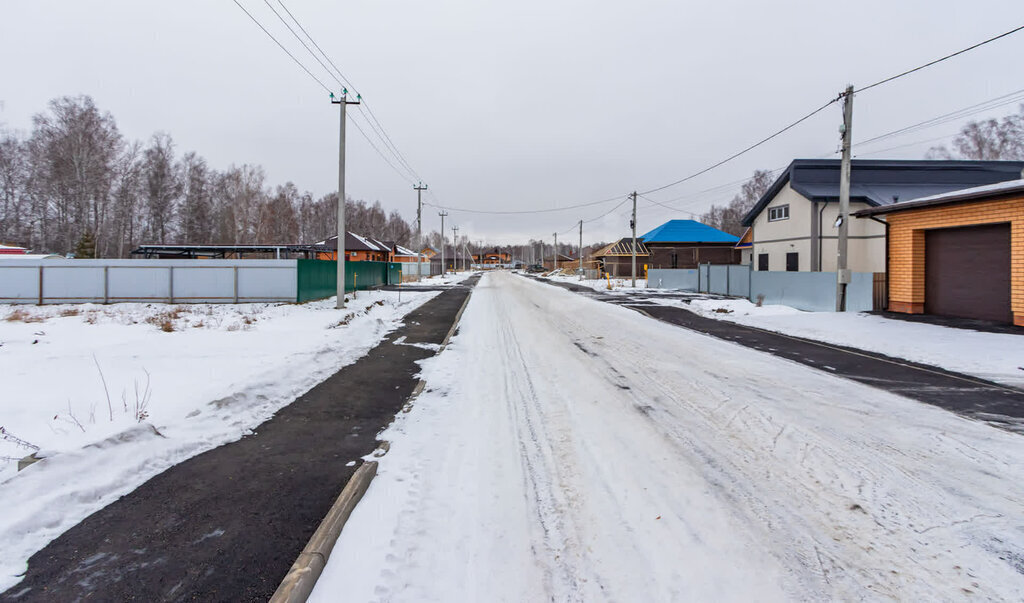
(75, 178)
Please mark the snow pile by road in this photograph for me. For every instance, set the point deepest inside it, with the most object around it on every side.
(594, 454)
(179, 379)
(619, 285)
(997, 357)
(452, 278)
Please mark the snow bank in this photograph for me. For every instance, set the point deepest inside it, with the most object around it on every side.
(619, 285)
(452, 278)
(180, 380)
(997, 357)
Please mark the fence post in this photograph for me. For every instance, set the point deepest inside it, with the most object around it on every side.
(728, 280)
(40, 284)
(170, 284)
(234, 271)
(750, 281)
(106, 284)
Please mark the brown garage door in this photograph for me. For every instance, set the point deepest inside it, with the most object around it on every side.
(967, 272)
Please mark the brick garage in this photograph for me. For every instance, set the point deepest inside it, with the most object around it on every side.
(958, 254)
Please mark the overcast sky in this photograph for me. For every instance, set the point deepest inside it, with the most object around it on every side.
(514, 105)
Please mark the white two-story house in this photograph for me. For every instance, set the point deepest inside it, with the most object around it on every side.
(794, 224)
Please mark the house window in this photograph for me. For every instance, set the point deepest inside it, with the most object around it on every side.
(780, 212)
(792, 262)
(675, 260)
(762, 262)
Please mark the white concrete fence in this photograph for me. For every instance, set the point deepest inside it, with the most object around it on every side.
(60, 281)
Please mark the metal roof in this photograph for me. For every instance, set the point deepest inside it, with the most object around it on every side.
(1014, 188)
(687, 231)
(885, 181)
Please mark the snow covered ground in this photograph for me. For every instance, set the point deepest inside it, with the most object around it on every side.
(179, 379)
(998, 357)
(452, 278)
(619, 285)
(571, 450)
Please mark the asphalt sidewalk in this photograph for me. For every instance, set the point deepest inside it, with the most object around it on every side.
(227, 524)
(964, 394)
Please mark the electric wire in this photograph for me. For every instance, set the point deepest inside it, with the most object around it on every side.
(988, 105)
(525, 211)
(343, 81)
(388, 142)
(297, 62)
(746, 150)
(939, 60)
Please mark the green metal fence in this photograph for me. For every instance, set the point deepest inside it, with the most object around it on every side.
(318, 279)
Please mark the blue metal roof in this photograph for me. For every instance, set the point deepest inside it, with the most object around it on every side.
(687, 231)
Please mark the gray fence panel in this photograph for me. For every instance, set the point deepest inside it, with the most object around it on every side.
(193, 281)
(138, 284)
(662, 278)
(267, 284)
(812, 291)
(73, 284)
(860, 292)
(718, 280)
(206, 284)
(412, 269)
(19, 284)
(739, 281)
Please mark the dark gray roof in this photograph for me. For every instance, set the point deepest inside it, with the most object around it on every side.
(885, 181)
(1010, 188)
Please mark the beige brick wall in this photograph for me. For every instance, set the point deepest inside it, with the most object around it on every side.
(906, 247)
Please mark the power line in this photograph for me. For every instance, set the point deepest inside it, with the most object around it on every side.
(370, 142)
(746, 150)
(382, 133)
(993, 103)
(301, 41)
(527, 211)
(343, 81)
(276, 41)
(939, 60)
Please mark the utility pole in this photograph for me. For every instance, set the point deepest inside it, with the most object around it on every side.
(419, 188)
(442, 214)
(455, 248)
(632, 224)
(555, 255)
(581, 250)
(342, 103)
(842, 272)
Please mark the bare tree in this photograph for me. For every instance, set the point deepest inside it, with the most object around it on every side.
(729, 218)
(196, 211)
(73, 152)
(163, 187)
(989, 139)
(13, 183)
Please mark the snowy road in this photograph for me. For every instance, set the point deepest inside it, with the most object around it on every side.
(568, 449)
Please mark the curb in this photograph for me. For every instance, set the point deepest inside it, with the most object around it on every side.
(298, 583)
